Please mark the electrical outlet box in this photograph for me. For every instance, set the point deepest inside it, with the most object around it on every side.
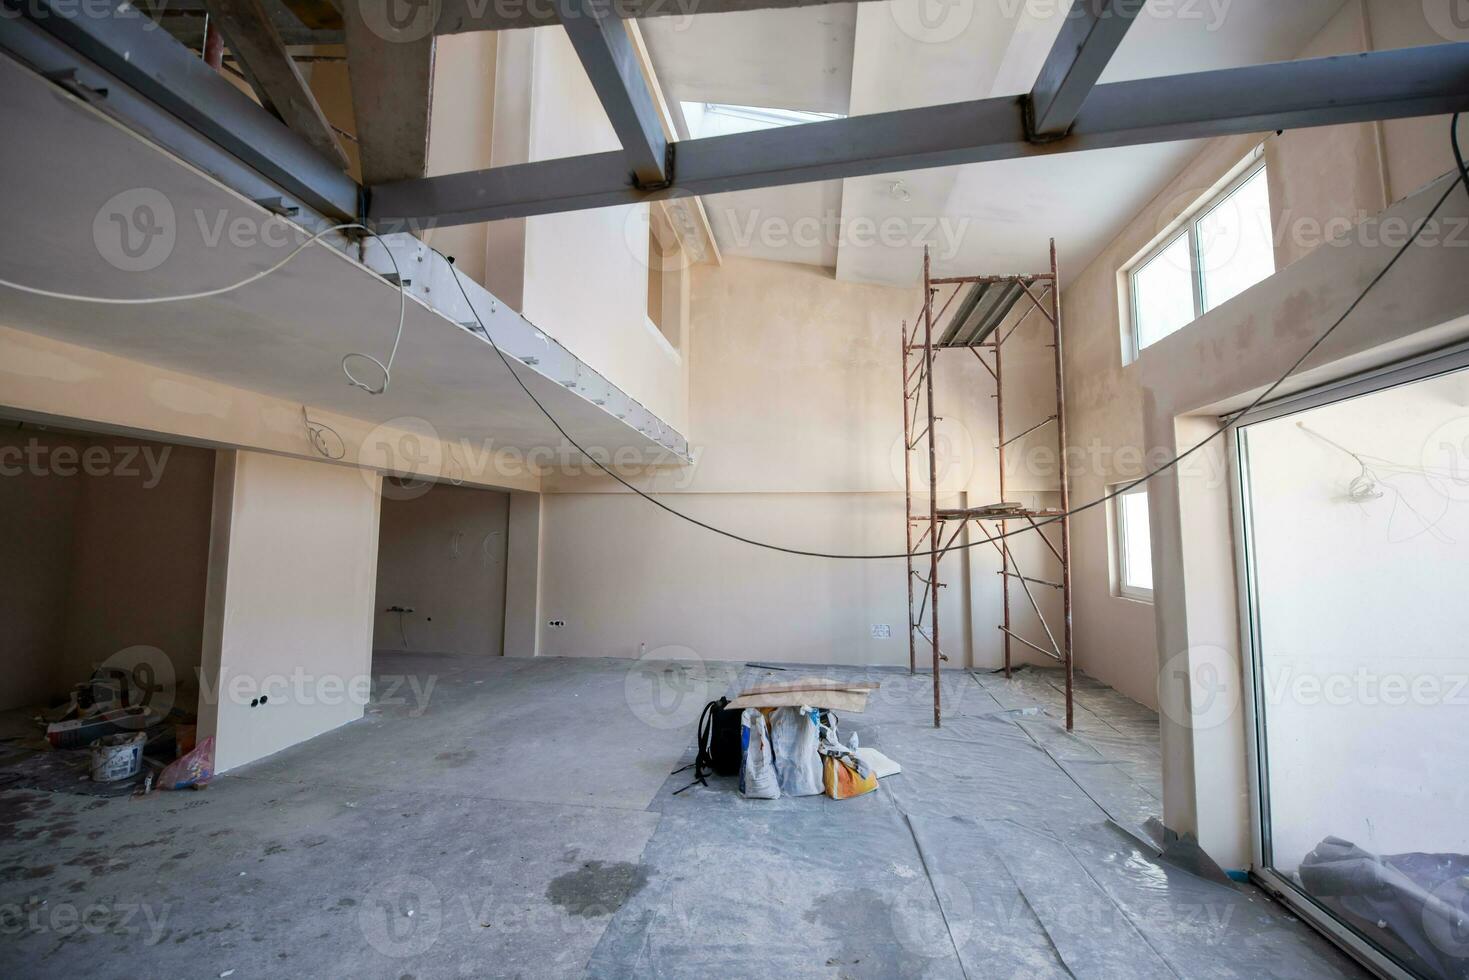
(555, 624)
(882, 631)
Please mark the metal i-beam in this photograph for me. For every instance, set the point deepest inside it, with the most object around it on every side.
(390, 66)
(460, 16)
(606, 52)
(1353, 88)
(1089, 37)
(273, 73)
(130, 69)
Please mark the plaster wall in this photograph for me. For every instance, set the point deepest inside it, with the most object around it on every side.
(441, 553)
(796, 396)
(291, 599)
(586, 272)
(105, 542)
(1322, 182)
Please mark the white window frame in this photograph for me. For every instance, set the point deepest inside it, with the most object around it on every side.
(1119, 545)
(1188, 225)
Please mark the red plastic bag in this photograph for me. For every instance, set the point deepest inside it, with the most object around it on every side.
(193, 769)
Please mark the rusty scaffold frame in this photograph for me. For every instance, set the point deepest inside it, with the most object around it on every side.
(976, 326)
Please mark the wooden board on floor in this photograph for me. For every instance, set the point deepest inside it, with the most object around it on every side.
(854, 701)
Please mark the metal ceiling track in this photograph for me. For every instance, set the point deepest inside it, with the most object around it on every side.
(146, 79)
(1429, 80)
(128, 67)
(992, 310)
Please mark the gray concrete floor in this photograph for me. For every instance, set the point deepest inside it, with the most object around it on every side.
(517, 819)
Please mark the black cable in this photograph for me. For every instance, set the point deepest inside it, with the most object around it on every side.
(1037, 525)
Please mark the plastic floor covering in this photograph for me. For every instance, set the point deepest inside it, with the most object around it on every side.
(510, 817)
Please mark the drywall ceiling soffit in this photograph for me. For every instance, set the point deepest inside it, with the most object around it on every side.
(904, 57)
(799, 58)
(80, 179)
(785, 59)
(1000, 216)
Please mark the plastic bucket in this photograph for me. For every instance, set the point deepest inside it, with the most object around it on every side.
(117, 757)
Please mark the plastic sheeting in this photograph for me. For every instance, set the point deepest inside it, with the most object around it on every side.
(1006, 848)
(1416, 904)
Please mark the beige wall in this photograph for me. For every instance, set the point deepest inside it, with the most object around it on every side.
(290, 603)
(37, 528)
(441, 553)
(584, 273)
(140, 555)
(105, 548)
(796, 405)
(1319, 180)
(461, 127)
(51, 381)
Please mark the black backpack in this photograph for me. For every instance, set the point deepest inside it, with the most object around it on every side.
(720, 744)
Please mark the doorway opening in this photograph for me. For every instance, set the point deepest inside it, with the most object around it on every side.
(1353, 518)
(441, 569)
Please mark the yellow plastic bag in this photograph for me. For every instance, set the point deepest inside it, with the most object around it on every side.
(842, 780)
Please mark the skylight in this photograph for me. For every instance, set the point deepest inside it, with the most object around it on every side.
(721, 119)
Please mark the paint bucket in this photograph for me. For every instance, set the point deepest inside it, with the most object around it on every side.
(117, 757)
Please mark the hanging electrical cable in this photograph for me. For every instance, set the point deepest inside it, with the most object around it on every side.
(1260, 399)
(385, 367)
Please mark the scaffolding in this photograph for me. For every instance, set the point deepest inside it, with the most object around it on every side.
(976, 326)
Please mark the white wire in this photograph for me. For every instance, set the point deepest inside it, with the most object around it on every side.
(352, 379)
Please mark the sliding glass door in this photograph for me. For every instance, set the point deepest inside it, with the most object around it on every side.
(1354, 531)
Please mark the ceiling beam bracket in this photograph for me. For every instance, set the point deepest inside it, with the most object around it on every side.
(1027, 106)
(666, 182)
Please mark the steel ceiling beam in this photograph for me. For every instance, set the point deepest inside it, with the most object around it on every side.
(1289, 95)
(273, 74)
(606, 52)
(461, 16)
(129, 68)
(1090, 35)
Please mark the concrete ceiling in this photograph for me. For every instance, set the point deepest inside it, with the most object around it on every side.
(904, 53)
(283, 336)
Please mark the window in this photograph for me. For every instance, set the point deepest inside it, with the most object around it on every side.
(721, 119)
(1132, 544)
(1224, 247)
(667, 286)
(1351, 525)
